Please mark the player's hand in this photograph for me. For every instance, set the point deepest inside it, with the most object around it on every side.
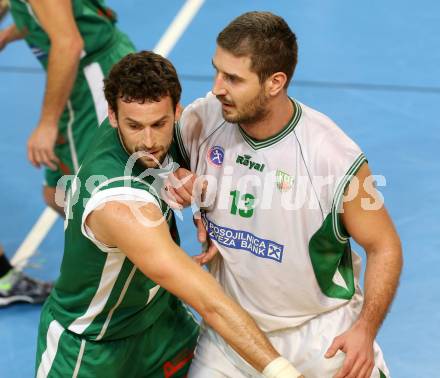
(182, 189)
(179, 188)
(357, 344)
(209, 248)
(41, 146)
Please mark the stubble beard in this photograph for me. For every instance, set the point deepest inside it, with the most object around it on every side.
(253, 111)
(154, 161)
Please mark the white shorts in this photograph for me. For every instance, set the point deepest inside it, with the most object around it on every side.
(304, 346)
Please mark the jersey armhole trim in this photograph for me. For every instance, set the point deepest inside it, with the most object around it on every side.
(107, 195)
(338, 229)
(180, 143)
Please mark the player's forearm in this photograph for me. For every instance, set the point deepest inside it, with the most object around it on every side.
(64, 57)
(384, 265)
(204, 294)
(226, 317)
(240, 331)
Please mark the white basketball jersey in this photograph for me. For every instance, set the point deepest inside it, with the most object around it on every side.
(275, 211)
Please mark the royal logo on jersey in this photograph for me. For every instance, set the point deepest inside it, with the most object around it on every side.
(216, 155)
(247, 162)
(246, 241)
(284, 181)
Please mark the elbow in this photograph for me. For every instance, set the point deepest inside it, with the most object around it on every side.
(80, 45)
(400, 255)
(389, 251)
(76, 45)
(72, 46)
(396, 248)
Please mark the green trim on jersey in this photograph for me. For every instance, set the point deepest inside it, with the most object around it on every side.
(329, 247)
(178, 148)
(258, 144)
(339, 231)
(382, 374)
(327, 255)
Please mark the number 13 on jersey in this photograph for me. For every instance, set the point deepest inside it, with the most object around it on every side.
(242, 204)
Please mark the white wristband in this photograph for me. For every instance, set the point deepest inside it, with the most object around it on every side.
(280, 368)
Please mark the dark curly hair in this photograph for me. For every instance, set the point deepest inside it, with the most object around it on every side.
(264, 37)
(142, 77)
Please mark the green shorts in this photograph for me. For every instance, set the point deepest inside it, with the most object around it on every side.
(86, 108)
(164, 350)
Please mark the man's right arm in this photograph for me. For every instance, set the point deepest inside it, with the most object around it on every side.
(143, 235)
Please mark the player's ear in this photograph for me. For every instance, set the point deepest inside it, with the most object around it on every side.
(178, 112)
(275, 83)
(112, 118)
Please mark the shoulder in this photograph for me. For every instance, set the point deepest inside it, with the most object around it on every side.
(324, 143)
(105, 153)
(203, 115)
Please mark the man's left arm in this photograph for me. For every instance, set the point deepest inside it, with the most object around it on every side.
(66, 45)
(371, 227)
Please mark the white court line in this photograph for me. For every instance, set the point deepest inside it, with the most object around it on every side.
(34, 238)
(49, 216)
(177, 27)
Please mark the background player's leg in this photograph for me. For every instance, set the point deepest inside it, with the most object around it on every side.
(49, 194)
(5, 266)
(15, 286)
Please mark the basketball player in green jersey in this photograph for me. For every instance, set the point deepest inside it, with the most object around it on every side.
(77, 42)
(113, 311)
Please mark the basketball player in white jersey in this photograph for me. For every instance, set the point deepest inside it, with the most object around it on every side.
(287, 189)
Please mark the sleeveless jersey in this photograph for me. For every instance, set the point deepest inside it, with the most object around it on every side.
(100, 294)
(94, 20)
(273, 210)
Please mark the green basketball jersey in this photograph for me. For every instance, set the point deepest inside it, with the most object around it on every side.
(100, 294)
(94, 20)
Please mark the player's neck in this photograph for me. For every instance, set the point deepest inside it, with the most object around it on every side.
(280, 113)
